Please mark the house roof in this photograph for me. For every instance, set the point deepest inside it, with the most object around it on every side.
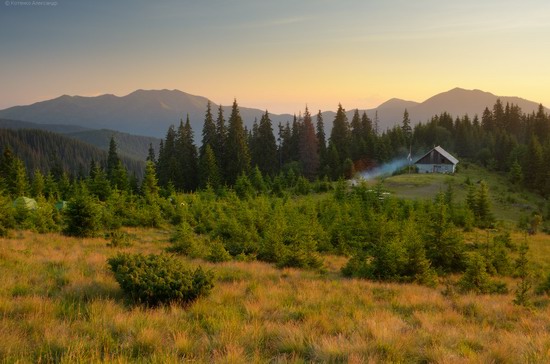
(443, 152)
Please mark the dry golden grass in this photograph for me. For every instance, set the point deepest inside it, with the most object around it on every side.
(59, 303)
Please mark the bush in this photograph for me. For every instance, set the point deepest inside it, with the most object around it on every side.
(7, 220)
(476, 279)
(43, 218)
(186, 242)
(218, 253)
(119, 239)
(159, 279)
(82, 216)
(544, 287)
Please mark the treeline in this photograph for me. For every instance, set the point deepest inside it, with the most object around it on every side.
(504, 140)
(101, 176)
(229, 151)
(46, 151)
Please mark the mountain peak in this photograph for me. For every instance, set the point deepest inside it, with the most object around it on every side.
(397, 103)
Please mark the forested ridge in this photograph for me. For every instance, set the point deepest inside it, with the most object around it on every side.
(45, 151)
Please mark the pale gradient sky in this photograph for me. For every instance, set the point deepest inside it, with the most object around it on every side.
(277, 55)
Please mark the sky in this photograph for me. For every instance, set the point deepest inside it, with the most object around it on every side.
(275, 55)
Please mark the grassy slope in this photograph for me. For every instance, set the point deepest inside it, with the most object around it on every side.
(508, 203)
(58, 302)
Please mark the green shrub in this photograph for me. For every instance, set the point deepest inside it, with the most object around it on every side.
(43, 218)
(119, 239)
(7, 220)
(82, 216)
(218, 253)
(358, 266)
(476, 279)
(186, 242)
(159, 279)
(544, 287)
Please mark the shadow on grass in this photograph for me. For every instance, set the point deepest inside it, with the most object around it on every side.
(92, 291)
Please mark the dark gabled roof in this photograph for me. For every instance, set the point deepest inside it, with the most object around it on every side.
(441, 151)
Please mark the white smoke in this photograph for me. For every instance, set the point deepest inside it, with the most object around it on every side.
(384, 169)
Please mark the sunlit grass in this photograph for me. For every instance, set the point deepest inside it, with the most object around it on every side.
(59, 303)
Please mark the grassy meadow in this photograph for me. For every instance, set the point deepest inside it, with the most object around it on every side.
(60, 303)
(509, 204)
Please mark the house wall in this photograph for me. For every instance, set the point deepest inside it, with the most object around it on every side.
(435, 168)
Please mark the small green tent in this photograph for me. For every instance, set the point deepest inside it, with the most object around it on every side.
(60, 205)
(25, 203)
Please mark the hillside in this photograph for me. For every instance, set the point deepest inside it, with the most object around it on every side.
(509, 204)
(133, 146)
(55, 128)
(42, 150)
(151, 112)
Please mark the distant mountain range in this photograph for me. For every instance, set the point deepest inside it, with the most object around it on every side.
(151, 112)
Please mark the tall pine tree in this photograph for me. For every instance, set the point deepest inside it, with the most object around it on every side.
(236, 149)
(308, 147)
(265, 147)
(187, 158)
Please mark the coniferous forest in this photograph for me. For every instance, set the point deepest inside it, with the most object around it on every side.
(237, 194)
(286, 195)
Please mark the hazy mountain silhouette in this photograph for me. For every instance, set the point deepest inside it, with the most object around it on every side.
(151, 112)
(143, 112)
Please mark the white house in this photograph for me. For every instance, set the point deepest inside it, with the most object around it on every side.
(437, 160)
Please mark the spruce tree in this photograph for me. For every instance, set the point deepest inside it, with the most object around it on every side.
(308, 148)
(295, 138)
(6, 169)
(516, 174)
(357, 141)
(149, 185)
(236, 150)
(257, 181)
(487, 121)
(406, 127)
(151, 154)
(187, 158)
(82, 215)
(112, 160)
(265, 150)
(498, 116)
(321, 140)
(444, 245)
(119, 177)
(209, 136)
(98, 186)
(20, 185)
(50, 187)
(533, 165)
(285, 135)
(38, 183)
(524, 274)
(220, 143)
(368, 137)
(208, 169)
(340, 135)
(483, 206)
(167, 164)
